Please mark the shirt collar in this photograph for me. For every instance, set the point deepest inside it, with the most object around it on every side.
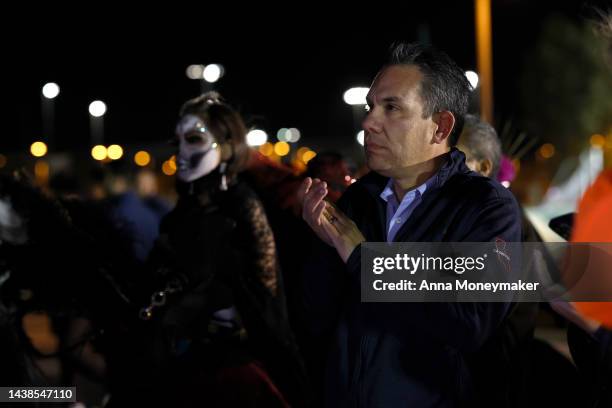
(388, 192)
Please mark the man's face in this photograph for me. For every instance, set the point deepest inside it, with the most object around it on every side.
(397, 137)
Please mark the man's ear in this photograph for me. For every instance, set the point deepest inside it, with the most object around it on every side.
(446, 122)
(486, 167)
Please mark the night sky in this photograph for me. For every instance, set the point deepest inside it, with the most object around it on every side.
(285, 71)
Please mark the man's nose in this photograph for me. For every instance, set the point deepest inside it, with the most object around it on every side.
(370, 123)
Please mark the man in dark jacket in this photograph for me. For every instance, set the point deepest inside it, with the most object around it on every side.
(419, 190)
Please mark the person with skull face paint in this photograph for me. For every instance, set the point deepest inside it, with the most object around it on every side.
(221, 317)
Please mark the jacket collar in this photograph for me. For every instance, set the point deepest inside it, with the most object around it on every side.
(375, 183)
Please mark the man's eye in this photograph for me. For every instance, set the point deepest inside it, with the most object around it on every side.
(391, 107)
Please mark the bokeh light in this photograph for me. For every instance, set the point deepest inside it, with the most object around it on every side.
(38, 149)
(99, 152)
(97, 109)
(50, 90)
(114, 152)
(256, 137)
(142, 158)
(282, 148)
(547, 150)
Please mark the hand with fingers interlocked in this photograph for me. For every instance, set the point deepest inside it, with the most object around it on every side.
(327, 221)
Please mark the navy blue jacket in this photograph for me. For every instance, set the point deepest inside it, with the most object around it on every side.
(407, 354)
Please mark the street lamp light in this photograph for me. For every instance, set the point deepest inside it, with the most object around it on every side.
(356, 96)
(291, 135)
(99, 152)
(256, 137)
(114, 152)
(195, 71)
(38, 149)
(97, 109)
(50, 90)
(212, 73)
(472, 78)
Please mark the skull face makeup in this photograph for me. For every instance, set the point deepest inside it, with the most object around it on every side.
(199, 153)
(12, 225)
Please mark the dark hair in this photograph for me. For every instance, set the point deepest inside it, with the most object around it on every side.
(482, 141)
(444, 86)
(224, 122)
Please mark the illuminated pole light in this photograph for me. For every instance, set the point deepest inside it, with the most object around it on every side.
(484, 57)
(99, 152)
(472, 78)
(41, 171)
(256, 137)
(97, 109)
(212, 73)
(50, 90)
(360, 137)
(114, 152)
(356, 96)
(142, 158)
(38, 149)
(195, 71)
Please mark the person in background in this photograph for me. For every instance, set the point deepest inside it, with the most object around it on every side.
(217, 303)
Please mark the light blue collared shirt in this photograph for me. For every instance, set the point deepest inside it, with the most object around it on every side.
(398, 213)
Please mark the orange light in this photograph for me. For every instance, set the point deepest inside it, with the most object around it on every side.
(267, 149)
(598, 141)
(142, 158)
(308, 156)
(484, 54)
(169, 168)
(547, 150)
(301, 151)
(282, 148)
(41, 171)
(609, 141)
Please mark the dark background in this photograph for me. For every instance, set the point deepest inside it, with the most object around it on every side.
(285, 67)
